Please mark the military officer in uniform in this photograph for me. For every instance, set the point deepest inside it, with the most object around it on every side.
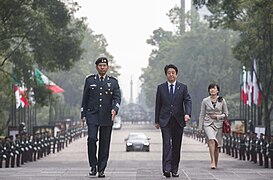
(100, 104)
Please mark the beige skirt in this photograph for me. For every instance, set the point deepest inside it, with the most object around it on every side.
(215, 133)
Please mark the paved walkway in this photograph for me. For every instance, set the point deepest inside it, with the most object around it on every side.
(71, 163)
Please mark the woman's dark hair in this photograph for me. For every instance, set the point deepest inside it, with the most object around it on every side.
(220, 99)
(212, 85)
(170, 66)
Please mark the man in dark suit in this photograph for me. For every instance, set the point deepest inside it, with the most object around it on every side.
(100, 104)
(172, 111)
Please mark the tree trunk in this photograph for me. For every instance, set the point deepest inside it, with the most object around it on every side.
(267, 118)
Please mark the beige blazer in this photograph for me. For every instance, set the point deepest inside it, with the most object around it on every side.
(207, 109)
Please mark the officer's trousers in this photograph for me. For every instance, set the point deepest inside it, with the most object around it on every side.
(104, 145)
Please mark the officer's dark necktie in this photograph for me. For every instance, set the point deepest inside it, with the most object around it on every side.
(101, 78)
(171, 92)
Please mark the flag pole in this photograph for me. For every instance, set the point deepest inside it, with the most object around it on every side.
(12, 106)
(35, 115)
(50, 110)
(240, 112)
(244, 96)
(255, 115)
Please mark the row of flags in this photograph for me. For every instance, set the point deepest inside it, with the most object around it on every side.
(250, 93)
(25, 98)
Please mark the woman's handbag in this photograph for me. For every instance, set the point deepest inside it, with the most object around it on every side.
(226, 125)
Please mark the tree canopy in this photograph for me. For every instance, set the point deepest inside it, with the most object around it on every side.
(39, 32)
(46, 35)
(253, 20)
(202, 55)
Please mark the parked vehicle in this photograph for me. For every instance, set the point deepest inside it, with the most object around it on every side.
(137, 142)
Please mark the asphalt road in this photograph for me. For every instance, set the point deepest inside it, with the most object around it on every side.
(71, 163)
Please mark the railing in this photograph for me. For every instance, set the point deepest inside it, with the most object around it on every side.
(27, 148)
(247, 147)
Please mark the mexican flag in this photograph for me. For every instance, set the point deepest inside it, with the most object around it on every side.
(43, 80)
(257, 95)
(249, 88)
(21, 98)
(23, 95)
(244, 89)
(20, 92)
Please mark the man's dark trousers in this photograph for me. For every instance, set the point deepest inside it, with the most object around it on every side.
(172, 140)
(104, 145)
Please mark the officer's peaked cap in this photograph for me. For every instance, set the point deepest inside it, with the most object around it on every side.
(101, 60)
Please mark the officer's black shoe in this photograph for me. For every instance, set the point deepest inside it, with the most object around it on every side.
(101, 174)
(93, 171)
(167, 174)
(175, 175)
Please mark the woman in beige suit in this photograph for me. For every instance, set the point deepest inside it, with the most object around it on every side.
(213, 111)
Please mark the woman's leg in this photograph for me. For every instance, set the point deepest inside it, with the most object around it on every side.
(212, 149)
(216, 154)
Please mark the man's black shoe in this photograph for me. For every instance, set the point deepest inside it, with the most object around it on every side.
(101, 174)
(93, 171)
(175, 175)
(167, 174)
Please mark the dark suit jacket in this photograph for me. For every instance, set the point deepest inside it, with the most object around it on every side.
(179, 106)
(99, 98)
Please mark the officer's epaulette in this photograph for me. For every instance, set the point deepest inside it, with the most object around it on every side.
(90, 75)
(113, 77)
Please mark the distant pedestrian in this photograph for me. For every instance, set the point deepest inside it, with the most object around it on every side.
(213, 111)
(172, 110)
(100, 104)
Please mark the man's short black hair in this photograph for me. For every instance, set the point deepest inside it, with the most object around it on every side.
(170, 66)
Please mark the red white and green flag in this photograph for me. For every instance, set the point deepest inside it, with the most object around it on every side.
(249, 88)
(20, 91)
(43, 80)
(257, 95)
(23, 95)
(244, 89)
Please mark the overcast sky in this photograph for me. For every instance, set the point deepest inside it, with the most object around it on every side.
(126, 25)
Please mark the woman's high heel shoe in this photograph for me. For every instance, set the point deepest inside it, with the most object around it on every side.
(213, 166)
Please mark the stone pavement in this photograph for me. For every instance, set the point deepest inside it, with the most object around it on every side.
(71, 162)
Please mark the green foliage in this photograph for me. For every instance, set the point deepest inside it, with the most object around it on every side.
(175, 17)
(39, 32)
(72, 81)
(43, 116)
(202, 56)
(45, 34)
(233, 104)
(5, 97)
(253, 20)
